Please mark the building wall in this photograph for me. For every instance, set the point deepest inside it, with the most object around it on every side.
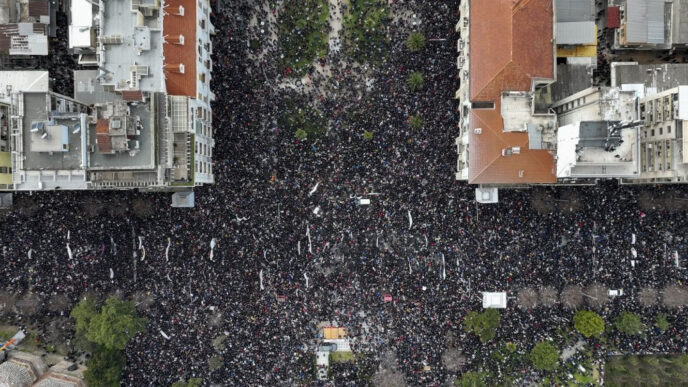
(661, 138)
(582, 106)
(462, 45)
(204, 143)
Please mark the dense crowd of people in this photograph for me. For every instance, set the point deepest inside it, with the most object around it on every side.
(293, 247)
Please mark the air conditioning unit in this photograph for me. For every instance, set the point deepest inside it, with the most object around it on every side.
(516, 150)
(478, 130)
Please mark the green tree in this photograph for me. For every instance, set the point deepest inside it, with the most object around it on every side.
(661, 322)
(416, 122)
(415, 81)
(83, 312)
(302, 34)
(301, 134)
(544, 356)
(629, 324)
(104, 368)
(483, 324)
(415, 41)
(365, 30)
(472, 379)
(115, 324)
(367, 135)
(193, 382)
(588, 323)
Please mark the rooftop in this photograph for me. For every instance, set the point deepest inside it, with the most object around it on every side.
(575, 10)
(122, 145)
(508, 58)
(587, 149)
(133, 41)
(176, 24)
(662, 76)
(645, 20)
(32, 80)
(37, 109)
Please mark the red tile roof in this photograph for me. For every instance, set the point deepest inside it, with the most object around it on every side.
(511, 42)
(132, 95)
(38, 8)
(103, 126)
(613, 17)
(174, 25)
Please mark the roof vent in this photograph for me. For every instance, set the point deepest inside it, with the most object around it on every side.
(175, 39)
(478, 130)
(175, 68)
(521, 172)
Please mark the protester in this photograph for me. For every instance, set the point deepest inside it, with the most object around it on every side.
(278, 267)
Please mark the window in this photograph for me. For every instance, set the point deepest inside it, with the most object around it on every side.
(482, 105)
(660, 130)
(669, 129)
(4, 170)
(652, 132)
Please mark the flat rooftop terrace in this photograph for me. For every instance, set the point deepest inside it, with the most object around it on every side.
(141, 45)
(142, 158)
(36, 108)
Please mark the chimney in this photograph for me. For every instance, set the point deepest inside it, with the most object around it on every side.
(175, 39)
(174, 68)
(179, 11)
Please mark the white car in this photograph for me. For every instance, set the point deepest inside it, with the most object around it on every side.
(616, 292)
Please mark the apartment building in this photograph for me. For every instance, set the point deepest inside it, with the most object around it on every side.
(514, 133)
(503, 136)
(141, 118)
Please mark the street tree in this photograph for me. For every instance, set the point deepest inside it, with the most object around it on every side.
(544, 356)
(416, 122)
(588, 323)
(484, 325)
(629, 324)
(104, 368)
(415, 41)
(661, 322)
(415, 81)
(115, 324)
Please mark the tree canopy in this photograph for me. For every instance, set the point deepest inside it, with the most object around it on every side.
(545, 356)
(629, 324)
(416, 122)
(588, 323)
(483, 324)
(415, 81)
(115, 324)
(104, 368)
(415, 41)
(661, 322)
(83, 312)
(365, 30)
(301, 134)
(472, 379)
(303, 33)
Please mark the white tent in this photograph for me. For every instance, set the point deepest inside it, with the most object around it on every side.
(496, 300)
